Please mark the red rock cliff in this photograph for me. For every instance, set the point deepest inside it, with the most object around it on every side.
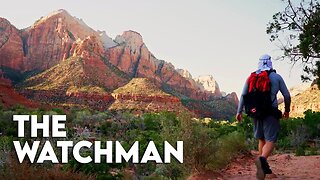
(11, 46)
(50, 39)
(133, 57)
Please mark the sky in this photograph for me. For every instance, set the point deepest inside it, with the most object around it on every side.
(207, 37)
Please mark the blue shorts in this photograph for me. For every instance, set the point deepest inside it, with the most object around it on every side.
(267, 128)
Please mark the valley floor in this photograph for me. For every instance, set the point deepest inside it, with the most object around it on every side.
(284, 166)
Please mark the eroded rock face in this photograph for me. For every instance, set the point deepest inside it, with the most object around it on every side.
(95, 67)
(304, 100)
(84, 79)
(50, 39)
(133, 57)
(11, 46)
(185, 73)
(106, 40)
(208, 83)
(232, 97)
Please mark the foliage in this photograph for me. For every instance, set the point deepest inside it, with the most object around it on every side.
(16, 76)
(295, 133)
(229, 146)
(100, 170)
(208, 144)
(297, 30)
(14, 170)
(71, 35)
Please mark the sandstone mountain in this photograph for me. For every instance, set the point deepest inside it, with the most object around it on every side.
(133, 57)
(85, 76)
(60, 60)
(185, 73)
(50, 39)
(205, 83)
(11, 46)
(106, 40)
(208, 83)
(304, 100)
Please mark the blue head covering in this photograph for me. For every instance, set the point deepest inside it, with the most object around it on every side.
(265, 63)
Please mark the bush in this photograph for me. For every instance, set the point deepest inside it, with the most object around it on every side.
(295, 132)
(14, 170)
(229, 146)
(312, 121)
(99, 170)
(206, 146)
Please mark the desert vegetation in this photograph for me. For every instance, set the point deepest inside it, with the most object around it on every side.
(208, 144)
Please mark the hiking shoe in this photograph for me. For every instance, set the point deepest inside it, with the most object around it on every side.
(265, 165)
(260, 173)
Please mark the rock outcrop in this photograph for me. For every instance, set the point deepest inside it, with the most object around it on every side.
(185, 73)
(133, 57)
(11, 46)
(302, 101)
(85, 79)
(84, 68)
(232, 97)
(106, 40)
(208, 83)
(50, 39)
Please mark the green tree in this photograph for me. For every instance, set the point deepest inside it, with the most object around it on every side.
(297, 30)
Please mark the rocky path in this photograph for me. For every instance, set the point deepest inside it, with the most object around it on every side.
(284, 166)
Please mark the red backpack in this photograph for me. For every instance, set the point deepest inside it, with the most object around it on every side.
(257, 101)
(260, 82)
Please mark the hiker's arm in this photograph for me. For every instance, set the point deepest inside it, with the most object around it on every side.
(241, 102)
(286, 95)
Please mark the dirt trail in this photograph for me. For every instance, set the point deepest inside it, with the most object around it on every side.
(284, 166)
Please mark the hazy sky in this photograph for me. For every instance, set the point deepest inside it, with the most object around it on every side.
(217, 37)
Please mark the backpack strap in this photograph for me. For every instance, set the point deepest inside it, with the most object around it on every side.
(269, 72)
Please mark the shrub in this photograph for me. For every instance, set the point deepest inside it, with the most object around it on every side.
(14, 170)
(229, 146)
(312, 121)
(99, 170)
(206, 146)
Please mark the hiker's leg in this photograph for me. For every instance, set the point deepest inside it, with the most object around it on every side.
(259, 134)
(267, 149)
(271, 127)
(262, 142)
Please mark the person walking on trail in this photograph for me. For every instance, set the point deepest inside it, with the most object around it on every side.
(259, 99)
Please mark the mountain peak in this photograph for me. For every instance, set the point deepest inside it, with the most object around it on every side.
(106, 40)
(61, 11)
(131, 38)
(208, 83)
(205, 77)
(4, 21)
(58, 13)
(131, 33)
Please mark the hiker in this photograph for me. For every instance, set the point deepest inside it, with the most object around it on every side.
(259, 99)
